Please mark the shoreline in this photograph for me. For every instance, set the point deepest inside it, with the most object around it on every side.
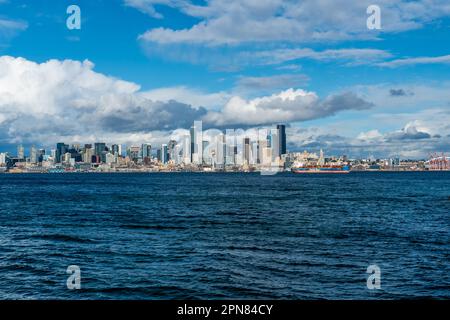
(215, 172)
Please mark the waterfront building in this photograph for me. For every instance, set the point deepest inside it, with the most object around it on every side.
(115, 149)
(246, 150)
(40, 155)
(221, 148)
(171, 149)
(61, 149)
(275, 144)
(66, 157)
(88, 153)
(2, 159)
(100, 150)
(133, 153)
(20, 152)
(33, 155)
(231, 149)
(146, 150)
(196, 143)
(186, 149)
(110, 158)
(255, 152)
(281, 139)
(164, 154)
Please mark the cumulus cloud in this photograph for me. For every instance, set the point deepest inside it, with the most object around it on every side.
(370, 135)
(409, 132)
(68, 98)
(44, 103)
(288, 106)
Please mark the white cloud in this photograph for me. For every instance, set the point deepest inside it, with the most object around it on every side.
(147, 6)
(370, 135)
(237, 21)
(64, 99)
(67, 100)
(350, 56)
(275, 82)
(288, 106)
(190, 96)
(10, 28)
(415, 61)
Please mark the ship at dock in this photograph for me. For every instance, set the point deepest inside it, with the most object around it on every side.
(320, 167)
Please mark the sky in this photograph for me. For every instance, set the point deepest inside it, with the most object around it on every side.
(143, 70)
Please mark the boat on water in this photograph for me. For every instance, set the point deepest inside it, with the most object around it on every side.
(321, 169)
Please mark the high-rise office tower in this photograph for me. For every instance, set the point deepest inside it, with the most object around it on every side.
(281, 138)
(262, 146)
(76, 147)
(275, 143)
(255, 152)
(171, 149)
(221, 150)
(61, 149)
(164, 154)
(246, 150)
(88, 153)
(197, 143)
(2, 159)
(40, 155)
(33, 154)
(230, 141)
(100, 151)
(20, 152)
(186, 149)
(146, 150)
(133, 153)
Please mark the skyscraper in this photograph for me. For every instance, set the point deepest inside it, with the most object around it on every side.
(281, 138)
(115, 149)
(171, 149)
(186, 149)
(33, 155)
(40, 155)
(247, 150)
(20, 152)
(197, 143)
(100, 151)
(275, 143)
(164, 154)
(146, 150)
(61, 149)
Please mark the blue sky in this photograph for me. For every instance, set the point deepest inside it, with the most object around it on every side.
(144, 69)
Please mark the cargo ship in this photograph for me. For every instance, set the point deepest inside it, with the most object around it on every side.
(321, 169)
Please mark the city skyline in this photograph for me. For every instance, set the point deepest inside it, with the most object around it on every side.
(143, 70)
(198, 148)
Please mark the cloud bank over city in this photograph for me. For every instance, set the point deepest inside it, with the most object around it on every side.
(67, 98)
(69, 101)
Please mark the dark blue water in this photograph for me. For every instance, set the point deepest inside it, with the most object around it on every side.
(172, 236)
